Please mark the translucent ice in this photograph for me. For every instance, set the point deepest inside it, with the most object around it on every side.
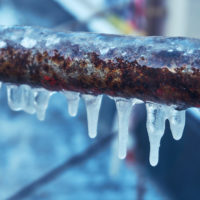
(14, 97)
(73, 102)
(28, 99)
(123, 109)
(156, 117)
(177, 123)
(93, 104)
(41, 102)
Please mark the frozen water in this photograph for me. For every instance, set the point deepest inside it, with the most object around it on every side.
(36, 101)
(177, 123)
(155, 127)
(73, 102)
(27, 99)
(123, 110)
(41, 102)
(93, 104)
(14, 97)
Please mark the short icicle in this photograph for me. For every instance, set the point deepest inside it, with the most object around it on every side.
(124, 107)
(156, 117)
(177, 123)
(73, 102)
(27, 99)
(14, 97)
(93, 104)
(41, 102)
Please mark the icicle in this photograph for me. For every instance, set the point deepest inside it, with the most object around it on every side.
(123, 109)
(93, 104)
(155, 127)
(41, 102)
(73, 102)
(14, 97)
(177, 123)
(27, 99)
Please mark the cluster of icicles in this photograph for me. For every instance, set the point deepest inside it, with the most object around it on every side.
(35, 100)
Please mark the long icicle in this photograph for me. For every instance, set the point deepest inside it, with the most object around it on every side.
(123, 110)
(155, 127)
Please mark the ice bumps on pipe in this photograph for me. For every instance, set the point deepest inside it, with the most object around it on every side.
(32, 100)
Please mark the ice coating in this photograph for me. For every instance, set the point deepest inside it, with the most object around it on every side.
(156, 117)
(149, 52)
(73, 102)
(93, 104)
(95, 64)
(123, 110)
(158, 51)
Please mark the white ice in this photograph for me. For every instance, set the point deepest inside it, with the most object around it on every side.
(124, 108)
(73, 102)
(177, 123)
(93, 104)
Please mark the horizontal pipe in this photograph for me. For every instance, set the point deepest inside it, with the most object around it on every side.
(158, 69)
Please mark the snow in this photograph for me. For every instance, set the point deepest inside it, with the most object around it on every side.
(28, 43)
(2, 44)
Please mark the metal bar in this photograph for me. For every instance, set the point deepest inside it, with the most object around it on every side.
(159, 69)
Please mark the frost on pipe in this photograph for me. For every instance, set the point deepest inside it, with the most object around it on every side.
(163, 72)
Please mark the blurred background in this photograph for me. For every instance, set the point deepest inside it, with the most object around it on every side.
(55, 159)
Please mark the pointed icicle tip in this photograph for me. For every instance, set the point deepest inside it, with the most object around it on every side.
(73, 102)
(124, 107)
(156, 117)
(93, 104)
(177, 123)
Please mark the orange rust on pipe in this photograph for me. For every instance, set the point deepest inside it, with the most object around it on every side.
(159, 69)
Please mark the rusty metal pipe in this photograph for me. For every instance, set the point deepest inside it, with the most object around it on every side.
(159, 69)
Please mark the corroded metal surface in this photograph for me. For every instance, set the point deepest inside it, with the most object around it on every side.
(159, 69)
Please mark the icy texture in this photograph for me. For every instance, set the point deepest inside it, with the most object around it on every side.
(73, 102)
(35, 100)
(158, 51)
(155, 127)
(123, 110)
(93, 104)
(41, 102)
(27, 99)
(2, 44)
(177, 123)
(28, 43)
